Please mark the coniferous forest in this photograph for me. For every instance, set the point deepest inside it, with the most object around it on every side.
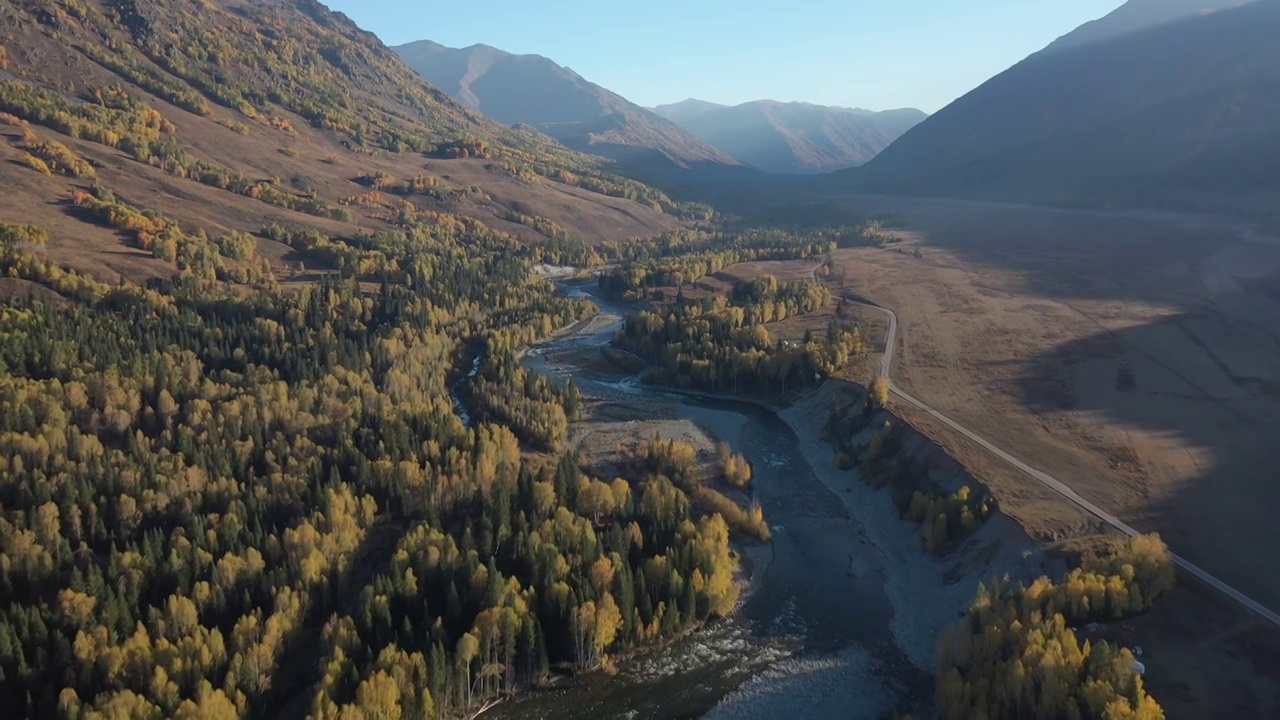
(202, 487)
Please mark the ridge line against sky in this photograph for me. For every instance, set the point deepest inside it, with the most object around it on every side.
(852, 53)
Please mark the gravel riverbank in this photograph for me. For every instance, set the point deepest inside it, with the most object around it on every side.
(927, 594)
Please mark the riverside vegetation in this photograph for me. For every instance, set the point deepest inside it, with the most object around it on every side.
(1017, 653)
(721, 344)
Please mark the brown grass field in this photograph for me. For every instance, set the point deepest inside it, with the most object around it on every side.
(1136, 358)
(306, 158)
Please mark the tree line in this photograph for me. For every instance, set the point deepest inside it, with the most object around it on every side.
(711, 344)
(1017, 655)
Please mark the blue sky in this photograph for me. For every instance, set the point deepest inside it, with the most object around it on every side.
(876, 54)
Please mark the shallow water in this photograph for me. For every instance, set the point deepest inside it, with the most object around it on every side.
(455, 392)
(813, 639)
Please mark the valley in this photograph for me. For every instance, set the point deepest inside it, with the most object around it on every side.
(986, 294)
(346, 378)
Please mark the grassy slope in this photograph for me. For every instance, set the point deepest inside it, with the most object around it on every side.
(279, 90)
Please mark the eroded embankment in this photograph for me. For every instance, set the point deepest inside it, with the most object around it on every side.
(929, 590)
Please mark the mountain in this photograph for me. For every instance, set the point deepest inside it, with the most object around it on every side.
(1181, 114)
(1138, 15)
(234, 115)
(686, 110)
(532, 90)
(792, 137)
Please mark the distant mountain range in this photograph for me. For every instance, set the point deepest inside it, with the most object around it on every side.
(792, 137)
(774, 137)
(532, 90)
(1144, 107)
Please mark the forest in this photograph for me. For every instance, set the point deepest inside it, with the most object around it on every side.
(674, 259)
(1017, 654)
(236, 492)
(200, 487)
(721, 344)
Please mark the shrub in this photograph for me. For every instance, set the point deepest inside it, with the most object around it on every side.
(234, 126)
(17, 238)
(37, 164)
(746, 520)
(238, 245)
(844, 461)
(62, 159)
(280, 123)
(736, 469)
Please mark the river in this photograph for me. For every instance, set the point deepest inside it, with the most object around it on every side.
(811, 640)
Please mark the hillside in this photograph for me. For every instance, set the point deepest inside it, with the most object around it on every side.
(792, 137)
(532, 90)
(1179, 115)
(271, 113)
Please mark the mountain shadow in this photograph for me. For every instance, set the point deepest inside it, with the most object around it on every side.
(1140, 111)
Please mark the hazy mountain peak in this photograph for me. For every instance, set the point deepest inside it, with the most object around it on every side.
(678, 112)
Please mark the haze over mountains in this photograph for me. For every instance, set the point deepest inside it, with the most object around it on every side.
(1159, 104)
(533, 90)
(770, 136)
(793, 137)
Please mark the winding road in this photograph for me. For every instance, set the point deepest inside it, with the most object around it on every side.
(886, 366)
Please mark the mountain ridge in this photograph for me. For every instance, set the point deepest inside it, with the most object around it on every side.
(1178, 114)
(793, 137)
(536, 91)
(303, 121)
(1139, 15)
